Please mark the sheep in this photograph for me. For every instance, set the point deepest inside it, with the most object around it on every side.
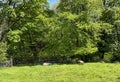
(46, 64)
(81, 61)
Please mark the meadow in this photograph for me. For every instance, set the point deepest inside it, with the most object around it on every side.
(89, 72)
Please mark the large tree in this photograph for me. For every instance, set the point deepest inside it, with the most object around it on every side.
(25, 37)
(77, 30)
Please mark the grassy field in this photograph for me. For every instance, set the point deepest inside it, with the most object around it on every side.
(89, 72)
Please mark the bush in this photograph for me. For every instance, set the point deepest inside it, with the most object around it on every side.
(108, 57)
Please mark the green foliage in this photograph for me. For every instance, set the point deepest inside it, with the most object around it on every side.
(110, 15)
(75, 28)
(14, 36)
(112, 3)
(3, 51)
(108, 57)
(86, 51)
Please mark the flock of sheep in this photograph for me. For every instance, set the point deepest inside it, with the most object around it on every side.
(48, 63)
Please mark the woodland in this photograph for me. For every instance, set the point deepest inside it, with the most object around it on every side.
(31, 32)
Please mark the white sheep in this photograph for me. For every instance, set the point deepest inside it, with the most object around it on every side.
(46, 64)
(81, 61)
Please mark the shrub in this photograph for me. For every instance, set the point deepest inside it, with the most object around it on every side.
(108, 57)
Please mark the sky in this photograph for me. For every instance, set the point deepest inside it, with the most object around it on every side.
(52, 2)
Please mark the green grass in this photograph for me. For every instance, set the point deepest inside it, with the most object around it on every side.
(89, 72)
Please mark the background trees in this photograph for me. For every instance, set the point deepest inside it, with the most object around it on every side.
(74, 29)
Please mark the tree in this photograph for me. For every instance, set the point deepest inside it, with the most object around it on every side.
(116, 44)
(74, 29)
(25, 35)
(111, 16)
(74, 33)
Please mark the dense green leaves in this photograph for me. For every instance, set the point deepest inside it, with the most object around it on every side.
(85, 29)
(3, 51)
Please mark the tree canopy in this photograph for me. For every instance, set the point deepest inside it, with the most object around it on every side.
(31, 31)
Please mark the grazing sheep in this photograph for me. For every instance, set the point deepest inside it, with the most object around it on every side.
(46, 64)
(81, 61)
